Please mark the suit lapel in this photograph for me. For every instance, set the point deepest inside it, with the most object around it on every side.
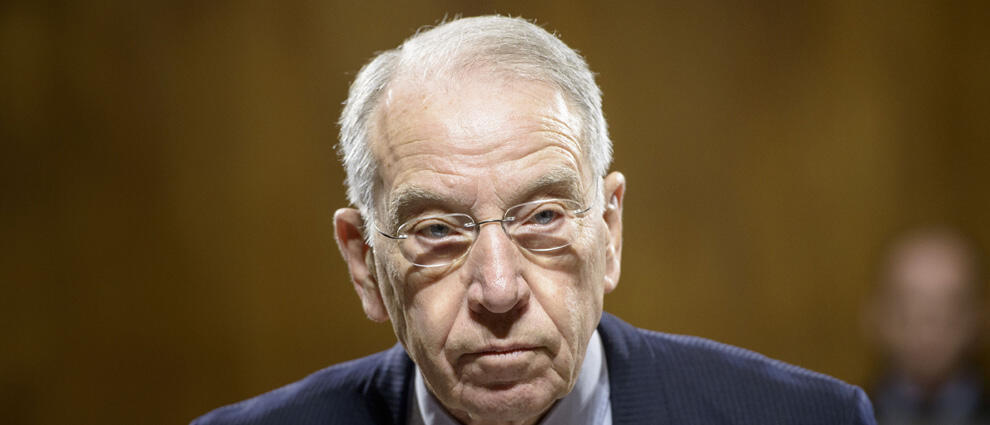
(636, 384)
(391, 384)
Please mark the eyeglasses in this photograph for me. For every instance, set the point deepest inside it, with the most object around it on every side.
(538, 226)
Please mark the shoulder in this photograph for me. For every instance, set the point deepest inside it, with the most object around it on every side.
(701, 378)
(367, 390)
(702, 364)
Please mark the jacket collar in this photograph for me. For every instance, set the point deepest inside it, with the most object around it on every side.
(392, 382)
(637, 392)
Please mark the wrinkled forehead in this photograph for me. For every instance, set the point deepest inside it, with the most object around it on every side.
(476, 96)
(477, 123)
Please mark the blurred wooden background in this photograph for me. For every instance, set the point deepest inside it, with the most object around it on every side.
(168, 180)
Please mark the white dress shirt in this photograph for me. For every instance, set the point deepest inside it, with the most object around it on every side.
(587, 404)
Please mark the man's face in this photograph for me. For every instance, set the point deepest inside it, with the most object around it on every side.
(500, 334)
(932, 316)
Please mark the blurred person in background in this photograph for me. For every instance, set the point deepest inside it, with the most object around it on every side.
(927, 319)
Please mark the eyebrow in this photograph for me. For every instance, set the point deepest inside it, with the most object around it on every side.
(408, 201)
(561, 182)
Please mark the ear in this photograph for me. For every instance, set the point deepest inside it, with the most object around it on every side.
(615, 193)
(360, 259)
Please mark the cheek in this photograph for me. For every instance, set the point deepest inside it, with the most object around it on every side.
(434, 308)
(392, 295)
(429, 310)
(589, 289)
(570, 289)
(589, 271)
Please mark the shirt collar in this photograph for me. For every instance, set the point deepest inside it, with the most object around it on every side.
(587, 404)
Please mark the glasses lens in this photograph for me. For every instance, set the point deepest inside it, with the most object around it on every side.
(543, 225)
(436, 241)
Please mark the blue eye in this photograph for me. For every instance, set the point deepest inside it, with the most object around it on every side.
(437, 230)
(545, 216)
(433, 230)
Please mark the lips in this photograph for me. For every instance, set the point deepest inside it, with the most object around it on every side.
(506, 359)
(502, 364)
(500, 355)
(500, 359)
(504, 350)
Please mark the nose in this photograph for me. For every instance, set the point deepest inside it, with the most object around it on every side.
(497, 285)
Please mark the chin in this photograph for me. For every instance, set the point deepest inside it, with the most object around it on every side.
(516, 403)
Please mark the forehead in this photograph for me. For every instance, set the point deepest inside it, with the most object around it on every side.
(475, 138)
(929, 270)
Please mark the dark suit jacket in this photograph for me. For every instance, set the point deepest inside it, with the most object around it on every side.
(655, 378)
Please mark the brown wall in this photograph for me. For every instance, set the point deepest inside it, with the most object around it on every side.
(168, 180)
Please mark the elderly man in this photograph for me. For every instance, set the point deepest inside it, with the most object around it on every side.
(487, 232)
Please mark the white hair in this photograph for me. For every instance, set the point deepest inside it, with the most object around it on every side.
(508, 46)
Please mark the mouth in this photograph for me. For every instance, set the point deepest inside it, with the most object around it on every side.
(505, 351)
(499, 365)
(503, 357)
